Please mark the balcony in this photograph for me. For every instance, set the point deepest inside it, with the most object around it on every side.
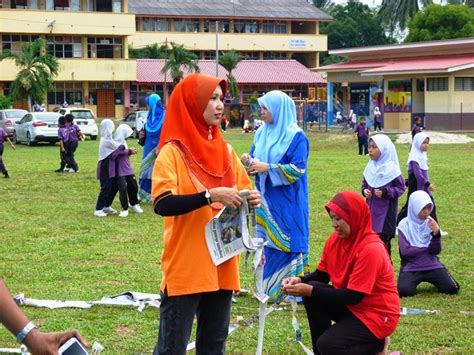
(66, 23)
(82, 70)
(239, 41)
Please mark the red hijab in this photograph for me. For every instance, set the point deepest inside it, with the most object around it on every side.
(341, 253)
(185, 127)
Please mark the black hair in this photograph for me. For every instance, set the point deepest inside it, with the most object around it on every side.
(69, 118)
(61, 120)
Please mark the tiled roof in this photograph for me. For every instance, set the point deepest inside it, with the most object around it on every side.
(247, 72)
(271, 9)
(440, 64)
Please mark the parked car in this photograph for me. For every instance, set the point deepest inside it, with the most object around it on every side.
(9, 117)
(37, 127)
(136, 120)
(84, 118)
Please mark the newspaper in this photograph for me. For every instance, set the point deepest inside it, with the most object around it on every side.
(228, 233)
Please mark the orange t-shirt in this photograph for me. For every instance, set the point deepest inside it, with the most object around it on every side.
(186, 263)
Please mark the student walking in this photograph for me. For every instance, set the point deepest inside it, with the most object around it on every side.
(3, 138)
(362, 132)
(71, 142)
(125, 176)
(419, 240)
(62, 133)
(382, 185)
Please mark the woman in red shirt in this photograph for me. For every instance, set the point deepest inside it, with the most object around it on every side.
(363, 300)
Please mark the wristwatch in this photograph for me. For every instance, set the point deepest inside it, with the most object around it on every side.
(24, 332)
(207, 195)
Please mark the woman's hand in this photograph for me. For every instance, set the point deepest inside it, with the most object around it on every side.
(299, 289)
(254, 199)
(228, 196)
(133, 151)
(258, 167)
(288, 281)
(378, 193)
(431, 187)
(433, 225)
(367, 193)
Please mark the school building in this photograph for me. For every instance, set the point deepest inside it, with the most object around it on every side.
(433, 80)
(91, 39)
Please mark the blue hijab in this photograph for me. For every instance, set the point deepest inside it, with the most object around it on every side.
(272, 140)
(156, 113)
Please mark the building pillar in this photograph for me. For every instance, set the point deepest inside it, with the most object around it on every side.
(126, 96)
(330, 103)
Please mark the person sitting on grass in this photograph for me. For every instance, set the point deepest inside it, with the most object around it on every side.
(26, 332)
(362, 300)
(419, 240)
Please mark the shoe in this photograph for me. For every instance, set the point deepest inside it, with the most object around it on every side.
(66, 170)
(100, 213)
(443, 233)
(58, 170)
(123, 213)
(109, 210)
(6, 176)
(136, 208)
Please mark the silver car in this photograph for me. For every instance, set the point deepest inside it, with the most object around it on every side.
(136, 120)
(9, 117)
(37, 127)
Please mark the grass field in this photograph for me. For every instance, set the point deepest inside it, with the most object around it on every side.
(52, 247)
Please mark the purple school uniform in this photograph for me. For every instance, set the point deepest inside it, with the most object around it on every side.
(421, 176)
(72, 132)
(415, 129)
(3, 135)
(384, 210)
(361, 130)
(62, 134)
(122, 161)
(419, 259)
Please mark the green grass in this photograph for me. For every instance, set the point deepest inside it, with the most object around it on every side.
(53, 248)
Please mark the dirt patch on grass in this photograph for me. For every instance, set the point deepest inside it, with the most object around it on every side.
(125, 331)
(438, 138)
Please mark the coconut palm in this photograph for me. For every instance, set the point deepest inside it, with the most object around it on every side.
(152, 51)
(179, 58)
(229, 61)
(398, 12)
(37, 70)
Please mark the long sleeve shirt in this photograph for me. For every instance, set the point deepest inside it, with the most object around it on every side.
(419, 259)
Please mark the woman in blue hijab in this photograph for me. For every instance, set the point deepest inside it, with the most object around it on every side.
(279, 156)
(154, 122)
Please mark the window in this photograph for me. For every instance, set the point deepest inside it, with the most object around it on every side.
(64, 46)
(245, 27)
(66, 91)
(138, 93)
(420, 85)
(65, 5)
(250, 55)
(274, 27)
(182, 25)
(7, 90)
(155, 24)
(104, 47)
(14, 42)
(464, 84)
(275, 55)
(437, 84)
(223, 25)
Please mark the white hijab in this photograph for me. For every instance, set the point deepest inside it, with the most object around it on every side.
(380, 172)
(107, 145)
(121, 134)
(416, 230)
(377, 111)
(415, 152)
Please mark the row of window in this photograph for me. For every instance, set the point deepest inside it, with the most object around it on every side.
(442, 84)
(64, 5)
(70, 47)
(222, 25)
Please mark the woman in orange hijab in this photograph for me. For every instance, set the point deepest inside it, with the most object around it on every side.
(196, 173)
(363, 299)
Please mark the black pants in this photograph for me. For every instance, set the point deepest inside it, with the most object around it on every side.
(363, 142)
(377, 124)
(108, 190)
(386, 239)
(347, 336)
(3, 168)
(128, 191)
(212, 310)
(441, 278)
(70, 148)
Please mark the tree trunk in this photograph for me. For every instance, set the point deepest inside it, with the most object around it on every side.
(30, 106)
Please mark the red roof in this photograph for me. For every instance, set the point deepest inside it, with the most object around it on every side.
(246, 72)
(439, 64)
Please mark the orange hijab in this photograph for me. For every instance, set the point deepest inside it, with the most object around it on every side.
(185, 127)
(342, 253)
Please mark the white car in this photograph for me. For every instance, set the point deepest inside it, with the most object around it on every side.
(37, 127)
(136, 120)
(84, 118)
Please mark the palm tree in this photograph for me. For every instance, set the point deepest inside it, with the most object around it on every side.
(179, 58)
(152, 51)
(36, 71)
(398, 12)
(229, 61)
